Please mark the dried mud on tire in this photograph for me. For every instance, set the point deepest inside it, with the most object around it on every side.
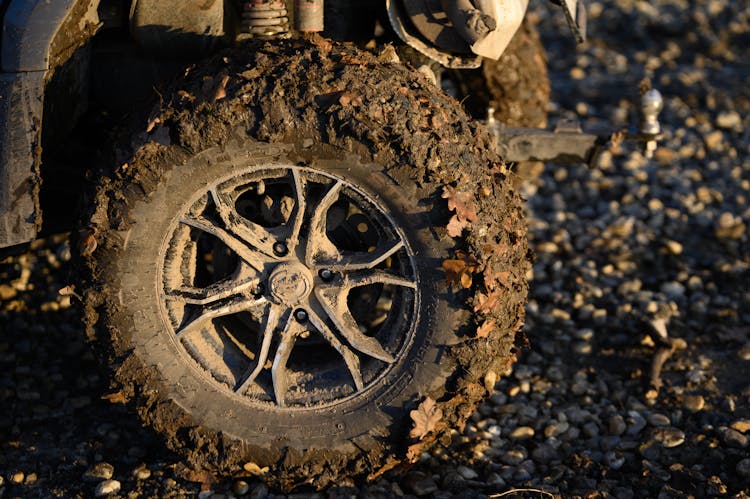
(517, 86)
(325, 101)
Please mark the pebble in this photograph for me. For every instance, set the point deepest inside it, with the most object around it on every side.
(513, 457)
(260, 491)
(544, 453)
(423, 487)
(743, 467)
(617, 425)
(556, 429)
(98, 472)
(107, 487)
(636, 423)
(467, 473)
(694, 403)
(741, 425)
(614, 460)
(522, 433)
(729, 120)
(669, 437)
(733, 438)
(657, 419)
(17, 477)
(141, 473)
(591, 429)
(714, 140)
(241, 487)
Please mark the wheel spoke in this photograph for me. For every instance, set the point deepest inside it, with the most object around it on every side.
(366, 277)
(350, 358)
(213, 293)
(270, 323)
(251, 233)
(279, 372)
(299, 210)
(333, 301)
(318, 244)
(362, 260)
(207, 226)
(216, 310)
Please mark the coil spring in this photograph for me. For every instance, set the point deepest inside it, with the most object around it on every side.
(264, 19)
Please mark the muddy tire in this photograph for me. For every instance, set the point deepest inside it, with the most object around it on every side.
(269, 279)
(517, 85)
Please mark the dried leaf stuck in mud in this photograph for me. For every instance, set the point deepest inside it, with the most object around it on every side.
(220, 91)
(183, 94)
(115, 398)
(87, 241)
(254, 469)
(69, 290)
(486, 303)
(458, 271)
(323, 44)
(464, 205)
(348, 99)
(425, 417)
(486, 328)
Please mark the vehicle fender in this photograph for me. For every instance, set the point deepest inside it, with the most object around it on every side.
(29, 26)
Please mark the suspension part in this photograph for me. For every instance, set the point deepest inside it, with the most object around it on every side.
(264, 19)
(308, 15)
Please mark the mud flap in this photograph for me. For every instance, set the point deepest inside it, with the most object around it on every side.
(20, 117)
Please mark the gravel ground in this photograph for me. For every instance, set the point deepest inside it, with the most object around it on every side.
(638, 261)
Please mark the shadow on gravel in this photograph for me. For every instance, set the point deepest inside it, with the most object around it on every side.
(54, 423)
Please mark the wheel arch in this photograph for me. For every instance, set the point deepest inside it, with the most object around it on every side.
(29, 53)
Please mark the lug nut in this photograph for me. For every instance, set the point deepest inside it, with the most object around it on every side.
(280, 249)
(300, 315)
(326, 274)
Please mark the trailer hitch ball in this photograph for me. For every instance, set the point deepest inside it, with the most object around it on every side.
(652, 104)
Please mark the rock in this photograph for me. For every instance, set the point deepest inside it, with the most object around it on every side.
(98, 472)
(107, 487)
(614, 460)
(467, 473)
(496, 481)
(714, 140)
(423, 487)
(260, 491)
(694, 403)
(591, 429)
(556, 429)
(141, 473)
(522, 433)
(636, 423)
(669, 437)
(743, 467)
(240, 487)
(733, 438)
(513, 457)
(544, 453)
(617, 425)
(7, 292)
(729, 120)
(657, 419)
(649, 450)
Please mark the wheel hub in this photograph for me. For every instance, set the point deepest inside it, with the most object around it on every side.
(290, 283)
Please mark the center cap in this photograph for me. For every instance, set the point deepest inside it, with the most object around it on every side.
(290, 283)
